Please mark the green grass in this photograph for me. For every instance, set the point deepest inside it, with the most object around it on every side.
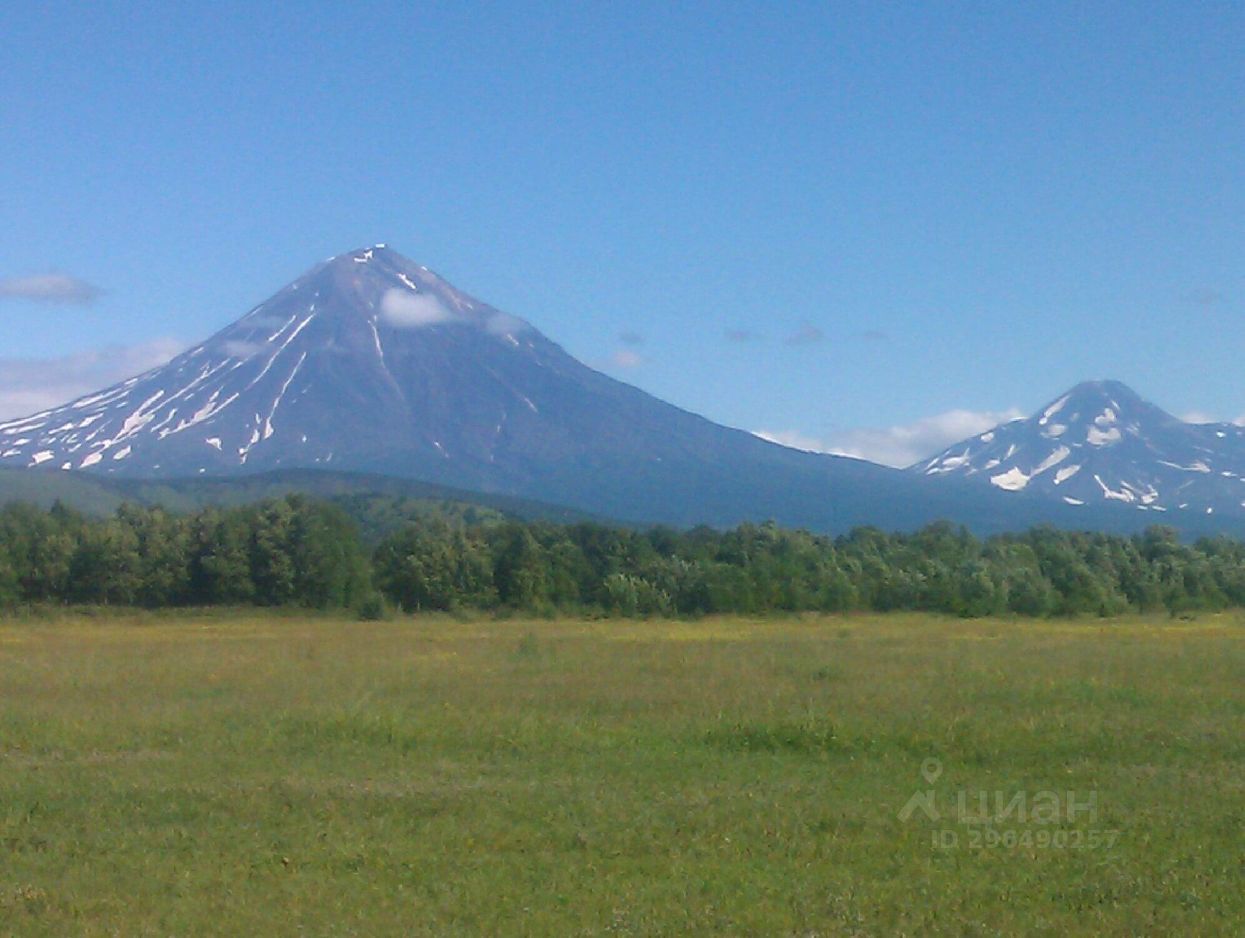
(279, 775)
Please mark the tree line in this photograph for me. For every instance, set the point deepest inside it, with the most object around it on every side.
(298, 551)
(290, 551)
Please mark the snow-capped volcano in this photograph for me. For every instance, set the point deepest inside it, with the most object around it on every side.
(299, 380)
(1101, 442)
(372, 363)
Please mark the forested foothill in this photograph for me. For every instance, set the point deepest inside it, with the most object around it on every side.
(303, 552)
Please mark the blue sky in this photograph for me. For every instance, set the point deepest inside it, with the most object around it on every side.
(866, 226)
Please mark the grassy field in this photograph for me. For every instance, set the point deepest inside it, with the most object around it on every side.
(274, 775)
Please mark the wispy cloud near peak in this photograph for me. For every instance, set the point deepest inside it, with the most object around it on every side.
(404, 310)
(31, 385)
(900, 445)
(50, 288)
(625, 358)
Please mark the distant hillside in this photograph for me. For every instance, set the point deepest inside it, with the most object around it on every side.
(90, 494)
(377, 503)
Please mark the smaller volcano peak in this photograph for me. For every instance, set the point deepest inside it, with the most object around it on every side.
(1104, 388)
(1097, 400)
(1101, 442)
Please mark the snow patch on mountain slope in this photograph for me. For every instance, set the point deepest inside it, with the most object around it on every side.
(1059, 455)
(1013, 480)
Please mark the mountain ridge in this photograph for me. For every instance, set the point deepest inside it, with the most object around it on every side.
(368, 363)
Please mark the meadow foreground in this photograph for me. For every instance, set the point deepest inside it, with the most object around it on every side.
(248, 774)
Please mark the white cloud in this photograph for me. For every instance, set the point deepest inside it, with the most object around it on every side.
(240, 348)
(504, 324)
(905, 444)
(625, 358)
(1197, 416)
(31, 385)
(900, 445)
(405, 310)
(1200, 416)
(793, 438)
(49, 288)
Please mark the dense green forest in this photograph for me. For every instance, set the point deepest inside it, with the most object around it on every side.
(298, 551)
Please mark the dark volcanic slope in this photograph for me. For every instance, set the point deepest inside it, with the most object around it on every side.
(371, 363)
(1102, 444)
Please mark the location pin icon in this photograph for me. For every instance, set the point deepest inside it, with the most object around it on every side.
(931, 768)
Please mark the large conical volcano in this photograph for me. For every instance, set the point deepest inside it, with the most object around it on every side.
(369, 362)
(366, 361)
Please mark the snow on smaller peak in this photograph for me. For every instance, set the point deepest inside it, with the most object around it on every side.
(1123, 495)
(1013, 480)
(1053, 409)
(1055, 458)
(948, 463)
(1097, 437)
(1196, 466)
(1065, 473)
